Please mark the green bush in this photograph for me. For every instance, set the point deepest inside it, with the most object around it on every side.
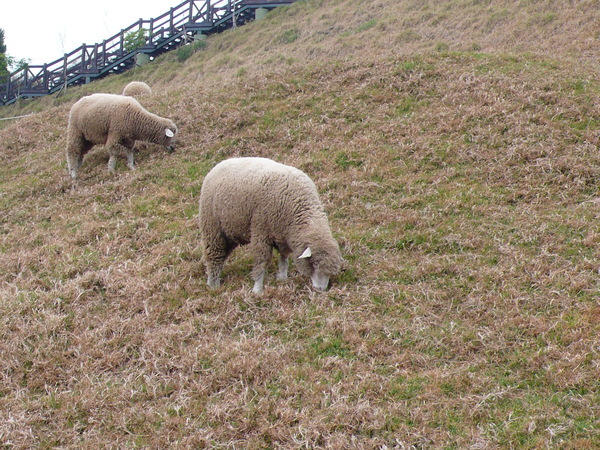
(185, 51)
(290, 36)
(134, 39)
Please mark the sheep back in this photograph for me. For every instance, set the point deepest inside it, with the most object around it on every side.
(137, 89)
(259, 192)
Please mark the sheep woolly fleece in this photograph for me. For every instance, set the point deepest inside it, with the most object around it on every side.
(137, 89)
(116, 121)
(268, 205)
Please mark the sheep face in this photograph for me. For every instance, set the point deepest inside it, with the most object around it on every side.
(319, 262)
(169, 139)
(320, 280)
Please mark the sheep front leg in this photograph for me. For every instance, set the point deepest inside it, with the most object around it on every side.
(262, 254)
(114, 149)
(282, 266)
(259, 283)
(130, 162)
(112, 163)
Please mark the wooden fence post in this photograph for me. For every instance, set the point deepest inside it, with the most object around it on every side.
(83, 48)
(45, 82)
(65, 72)
(95, 54)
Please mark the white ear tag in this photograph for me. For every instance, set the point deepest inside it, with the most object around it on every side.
(169, 133)
(307, 253)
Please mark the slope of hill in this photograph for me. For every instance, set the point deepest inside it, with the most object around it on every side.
(455, 147)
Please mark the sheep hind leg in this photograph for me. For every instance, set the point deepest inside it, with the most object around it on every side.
(74, 166)
(76, 149)
(213, 270)
(214, 258)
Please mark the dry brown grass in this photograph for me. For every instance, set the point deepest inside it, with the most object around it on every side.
(462, 186)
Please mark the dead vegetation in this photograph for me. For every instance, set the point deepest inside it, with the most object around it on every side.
(461, 182)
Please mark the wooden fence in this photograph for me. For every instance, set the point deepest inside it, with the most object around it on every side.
(166, 32)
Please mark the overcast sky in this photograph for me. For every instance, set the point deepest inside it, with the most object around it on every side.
(44, 31)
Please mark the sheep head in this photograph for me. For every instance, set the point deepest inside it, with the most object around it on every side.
(319, 261)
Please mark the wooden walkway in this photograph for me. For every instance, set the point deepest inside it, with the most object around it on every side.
(164, 33)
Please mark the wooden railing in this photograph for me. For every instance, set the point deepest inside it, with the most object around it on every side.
(164, 33)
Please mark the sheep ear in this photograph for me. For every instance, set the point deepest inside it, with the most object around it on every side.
(307, 253)
(169, 133)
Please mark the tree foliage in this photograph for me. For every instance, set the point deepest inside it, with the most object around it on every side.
(9, 63)
(3, 60)
(134, 39)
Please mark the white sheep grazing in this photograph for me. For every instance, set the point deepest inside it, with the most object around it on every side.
(116, 121)
(137, 89)
(268, 205)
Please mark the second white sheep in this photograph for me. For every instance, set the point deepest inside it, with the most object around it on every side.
(267, 205)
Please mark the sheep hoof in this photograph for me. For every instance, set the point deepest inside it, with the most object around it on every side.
(257, 290)
(259, 283)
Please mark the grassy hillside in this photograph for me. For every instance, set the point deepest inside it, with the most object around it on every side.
(455, 147)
